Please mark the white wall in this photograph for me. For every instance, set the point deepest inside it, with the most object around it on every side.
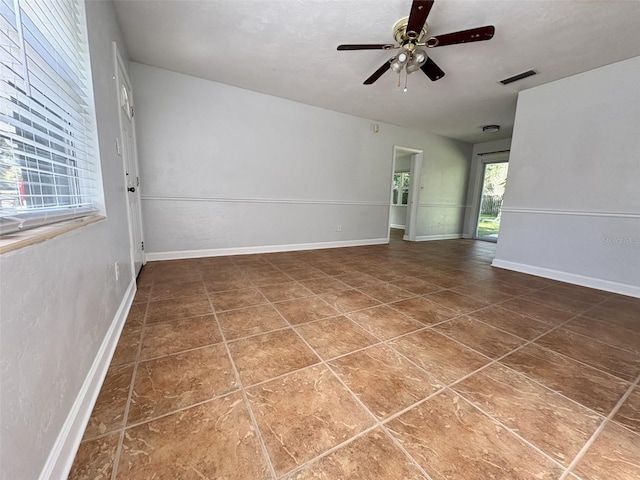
(475, 180)
(572, 204)
(443, 190)
(398, 216)
(224, 169)
(59, 298)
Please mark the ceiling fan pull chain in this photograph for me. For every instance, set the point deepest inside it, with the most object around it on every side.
(406, 77)
(399, 74)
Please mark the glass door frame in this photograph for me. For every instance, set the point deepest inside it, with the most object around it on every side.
(483, 172)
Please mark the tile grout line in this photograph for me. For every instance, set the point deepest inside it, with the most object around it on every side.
(125, 415)
(609, 418)
(377, 423)
(245, 399)
(322, 361)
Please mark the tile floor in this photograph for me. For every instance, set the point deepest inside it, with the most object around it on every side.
(406, 361)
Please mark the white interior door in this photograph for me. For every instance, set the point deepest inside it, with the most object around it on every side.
(127, 148)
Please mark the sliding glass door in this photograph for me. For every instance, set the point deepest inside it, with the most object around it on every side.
(493, 185)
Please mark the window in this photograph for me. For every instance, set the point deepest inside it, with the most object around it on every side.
(401, 188)
(48, 164)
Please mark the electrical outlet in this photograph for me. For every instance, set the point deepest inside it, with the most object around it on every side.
(338, 228)
(116, 267)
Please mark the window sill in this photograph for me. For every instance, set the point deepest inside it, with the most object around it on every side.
(18, 240)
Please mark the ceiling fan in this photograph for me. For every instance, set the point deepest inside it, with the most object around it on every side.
(409, 34)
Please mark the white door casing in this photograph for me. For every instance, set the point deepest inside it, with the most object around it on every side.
(414, 188)
(127, 148)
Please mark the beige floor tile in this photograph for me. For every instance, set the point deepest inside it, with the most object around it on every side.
(442, 357)
(479, 336)
(629, 413)
(605, 332)
(537, 310)
(324, 285)
(349, 301)
(108, 412)
(512, 322)
(213, 440)
(424, 310)
(285, 291)
(385, 381)
(165, 338)
(304, 414)
(335, 336)
(590, 387)
(452, 440)
(456, 302)
(305, 310)
(266, 356)
(137, 314)
(177, 381)
(556, 425)
(165, 291)
(385, 322)
(385, 350)
(237, 299)
(618, 362)
(371, 456)
(95, 459)
(615, 454)
(175, 309)
(386, 292)
(127, 347)
(250, 321)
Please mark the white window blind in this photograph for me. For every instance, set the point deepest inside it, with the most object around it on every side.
(48, 164)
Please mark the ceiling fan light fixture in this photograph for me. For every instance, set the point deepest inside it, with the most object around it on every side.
(418, 58)
(395, 66)
(403, 57)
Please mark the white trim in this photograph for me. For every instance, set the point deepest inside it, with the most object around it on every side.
(442, 205)
(120, 68)
(260, 200)
(394, 225)
(220, 252)
(577, 213)
(446, 236)
(591, 282)
(61, 456)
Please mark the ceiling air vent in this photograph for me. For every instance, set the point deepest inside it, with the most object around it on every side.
(517, 77)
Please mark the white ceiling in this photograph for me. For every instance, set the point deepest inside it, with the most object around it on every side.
(287, 48)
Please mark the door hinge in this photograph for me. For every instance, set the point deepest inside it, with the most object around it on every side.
(131, 112)
(142, 245)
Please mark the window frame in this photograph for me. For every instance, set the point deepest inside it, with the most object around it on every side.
(70, 162)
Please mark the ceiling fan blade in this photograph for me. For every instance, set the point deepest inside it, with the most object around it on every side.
(378, 73)
(419, 12)
(432, 70)
(366, 46)
(465, 36)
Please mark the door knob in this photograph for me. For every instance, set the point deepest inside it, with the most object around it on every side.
(132, 189)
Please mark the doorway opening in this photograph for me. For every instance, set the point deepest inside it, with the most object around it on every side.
(407, 165)
(494, 181)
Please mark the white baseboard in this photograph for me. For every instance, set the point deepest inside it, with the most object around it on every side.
(591, 282)
(220, 252)
(394, 225)
(447, 236)
(62, 454)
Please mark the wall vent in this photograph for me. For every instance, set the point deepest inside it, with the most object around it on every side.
(517, 77)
